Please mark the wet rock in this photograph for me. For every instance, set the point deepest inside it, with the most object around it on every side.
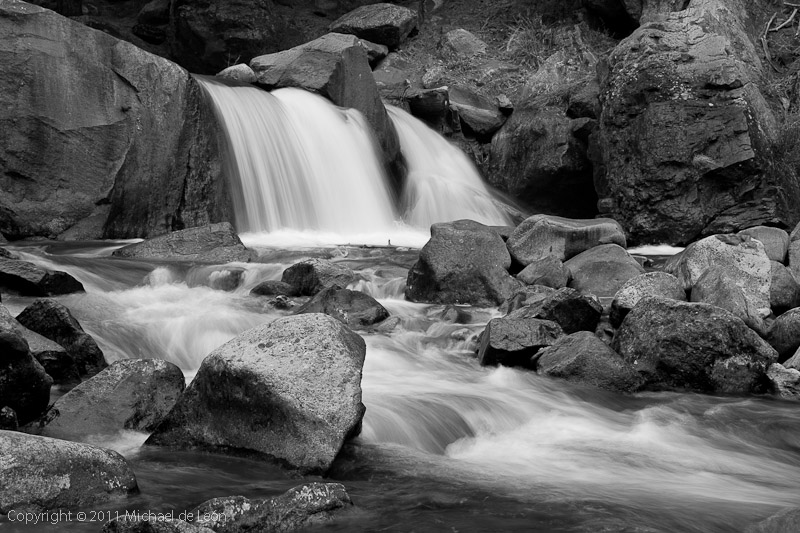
(241, 72)
(785, 381)
(28, 279)
(24, 385)
(648, 284)
(784, 291)
(289, 391)
(785, 521)
(41, 473)
(512, 341)
(134, 394)
(693, 346)
(478, 114)
(147, 525)
(464, 262)
(308, 277)
(548, 271)
(214, 243)
(353, 308)
(784, 334)
(602, 270)
(462, 43)
(273, 287)
(583, 358)
(540, 236)
(52, 320)
(386, 24)
(775, 241)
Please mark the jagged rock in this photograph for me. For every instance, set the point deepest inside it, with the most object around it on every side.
(478, 114)
(513, 341)
(583, 358)
(241, 72)
(40, 473)
(289, 390)
(215, 243)
(602, 270)
(308, 277)
(135, 394)
(567, 308)
(335, 66)
(785, 521)
(784, 334)
(151, 524)
(539, 236)
(160, 164)
(785, 381)
(636, 288)
(51, 319)
(28, 279)
(354, 308)
(24, 385)
(273, 287)
(784, 291)
(775, 241)
(693, 346)
(385, 24)
(464, 262)
(548, 271)
(462, 43)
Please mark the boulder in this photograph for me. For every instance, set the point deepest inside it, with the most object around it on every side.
(718, 287)
(289, 391)
(567, 308)
(214, 243)
(134, 394)
(548, 271)
(241, 72)
(40, 473)
(118, 125)
(154, 523)
(335, 66)
(785, 381)
(308, 277)
(693, 346)
(375, 52)
(648, 284)
(386, 24)
(793, 361)
(478, 114)
(514, 341)
(784, 521)
(583, 358)
(462, 43)
(540, 236)
(683, 143)
(273, 287)
(30, 280)
(528, 295)
(784, 334)
(52, 320)
(784, 291)
(775, 241)
(602, 270)
(464, 262)
(353, 308)
(24, 385)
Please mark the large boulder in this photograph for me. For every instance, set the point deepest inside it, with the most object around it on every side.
(134, 394)
(566, 307)
(464, 262)
(335, 66)
(648, 284)
(685, 131)
(24, 385)
(40, 473)
(354, 308)
(214, 243)
(385, 24)
(514, 341)
(548, 271)
(693, 346)
(51, 319)
(117, 125)
(30, 280)
(289, 391)
(602, 270)
(539, 236)
(784, 334)
(310, 276)
(583, 358)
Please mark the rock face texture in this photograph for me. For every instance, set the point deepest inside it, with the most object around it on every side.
(117, 125)
(385, 24)
(215, 243)
(684, 130)
(40, 473)
(289, 390)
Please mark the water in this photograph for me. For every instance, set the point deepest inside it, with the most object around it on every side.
(446, 445)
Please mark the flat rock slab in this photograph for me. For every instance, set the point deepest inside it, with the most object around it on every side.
(386, 24)
(214, 243)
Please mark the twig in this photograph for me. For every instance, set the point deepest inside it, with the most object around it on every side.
(765, 44)
(786, 22)
(769, 24)
(791, 5)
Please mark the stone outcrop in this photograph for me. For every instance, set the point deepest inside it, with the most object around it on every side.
(214, 243)
(353, 308)
(385, 24)
(308, 277)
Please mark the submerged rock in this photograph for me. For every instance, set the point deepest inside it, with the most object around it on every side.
(386, 24)
(354, 308)
(638, 287)
(273, 287)
(308, 277)
(214, 243)
(289, 390)
(28, 279)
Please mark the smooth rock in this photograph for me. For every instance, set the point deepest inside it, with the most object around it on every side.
(784, 291)
(353, 308)
(636, 288)
(718, 287)
(308, 277)
(784, 334)
(775, 241)
(548, 271)
(478, 114)
(155, 12)
(241, 72)
(386, 24)
(462, 43)
(529, 295)
(30, 280)
(512, 341)
(214, 243)
(602, 270)
(273, 287)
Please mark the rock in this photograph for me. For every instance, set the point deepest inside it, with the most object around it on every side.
(614, 14)
(478, 114)
(514, 341)
(155, 12)
(150, 34)
(649, 284)
(24, 385)
(52, 320)
(540, 236)
(585, 101)
(784, 291)
(217, 512)
(775, 241)
(308, 277)
(134, 394)
(683, 142)
(717, 287)
(335, 66)
(537, 158)
(8, 419)
(602, 270)
(385, 24)
(567, 308)
(241, 72)
(462, 43)
(548, 271)
(375, 52)
(215, 243)
(432, 106)
(785, 521)
(784, 334)
(353, 308)
(28, 279)
(693, 346)
(464, 262)
(160, 167)
(529, 295)
(39, 473)
(297, 509)
(583, 358)
(793, 361)
(288, 391)
(273, 287)
(785, 381)
(154, 523)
